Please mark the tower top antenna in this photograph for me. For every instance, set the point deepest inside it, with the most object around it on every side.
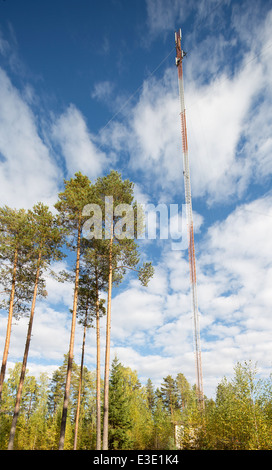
(179, 52)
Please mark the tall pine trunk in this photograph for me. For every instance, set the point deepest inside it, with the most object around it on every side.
(23, 370)
(71, 347)
(80, 378)
(7, 342)
(98, 391)
(107, 354)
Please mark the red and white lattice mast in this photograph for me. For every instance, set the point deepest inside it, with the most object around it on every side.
(180, 54)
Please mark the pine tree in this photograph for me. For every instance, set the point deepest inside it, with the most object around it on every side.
(119, 409)
(77, 194)
(55, 402)
(56, 387)
(150, 395)
(121, 249)
(29, 405)
(184, 390)
(15, 242)
(47, 238)
(169, 394)
(89, 306)
(95, 272)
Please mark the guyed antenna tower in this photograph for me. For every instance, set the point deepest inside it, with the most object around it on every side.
(180, 54)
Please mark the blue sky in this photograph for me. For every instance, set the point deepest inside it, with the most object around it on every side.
(92, 86)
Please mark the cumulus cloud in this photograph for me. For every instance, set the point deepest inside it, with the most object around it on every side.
(229, 128)
(218, 116)
(234, 276)
(215, 126)
(228, 105)
(234, 291)
(27, 171)
(71, 133)
(59, 292)
(135, 310)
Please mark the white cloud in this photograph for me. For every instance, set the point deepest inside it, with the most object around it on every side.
(234, 277)
(163, 15)
(50, 335)
(102, 90)
(27, 172)
(4, 45)
(59, 292)
(135, 310)
(235, 292)
(77, 145)
(140, 195)
(152, 366)
(229, 125)
(152, 328)
(217, 115)
(156, 137)
(50, 338)
(229, 115)
(215, 126)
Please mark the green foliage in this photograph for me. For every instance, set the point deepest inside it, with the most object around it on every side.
(163, 427)
(240, 417)
(87, 299)
(150, 395)
(119, 408)
(125, 251)
(145, 273)
(139, 417)
(169, 396)
(31, 240)
(16, 270)
(23, 236)
(77, 193)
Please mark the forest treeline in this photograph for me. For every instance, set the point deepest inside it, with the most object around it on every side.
(140, 416)
(76, 409)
